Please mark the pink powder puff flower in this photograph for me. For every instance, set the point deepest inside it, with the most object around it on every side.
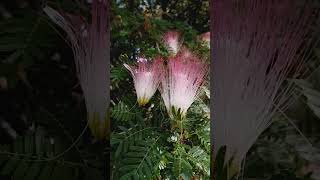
(254, 51)
(90, 49)
(146, 76)
(185, 53)
(171, 40)
(180, 83)
(205, 37)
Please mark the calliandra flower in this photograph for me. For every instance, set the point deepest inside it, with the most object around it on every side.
(205, 37)
(146, 76)
(180, 83)
(90, 49)
(185, 53)
(254, 49)
(171, 40)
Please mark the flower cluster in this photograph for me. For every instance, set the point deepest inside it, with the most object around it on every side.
(178, 81)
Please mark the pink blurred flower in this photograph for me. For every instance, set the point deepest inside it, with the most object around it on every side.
(146, 76)
(205, 37)
(180, 83)
(171, 40)
(90, 49)
(255, 51)
(185, 53)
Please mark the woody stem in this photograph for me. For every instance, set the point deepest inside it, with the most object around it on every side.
(181, 131)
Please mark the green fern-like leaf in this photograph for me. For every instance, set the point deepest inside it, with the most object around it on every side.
(135, 153)
(118, 74)
(204, 135)
(141, 160)
(200, 159)
(312, 95)
(34, 157)
(25, 38)
(122, 141)
(121, 112)
(181, 166)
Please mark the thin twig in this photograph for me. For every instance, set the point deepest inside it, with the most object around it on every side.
(37, 157)
(64, 130)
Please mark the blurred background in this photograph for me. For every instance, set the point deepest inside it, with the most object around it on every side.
(42, 108)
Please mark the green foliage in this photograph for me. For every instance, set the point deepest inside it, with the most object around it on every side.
(139, 162)
(136, 155)
(36, 156)
(117, 75)
(132, 30)
(312, 95)
(24, 40)
(203, 135)
(280, 152)
(181, 166)
(121, 112)
(222, 167)
(38, 65)
(199, 158)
